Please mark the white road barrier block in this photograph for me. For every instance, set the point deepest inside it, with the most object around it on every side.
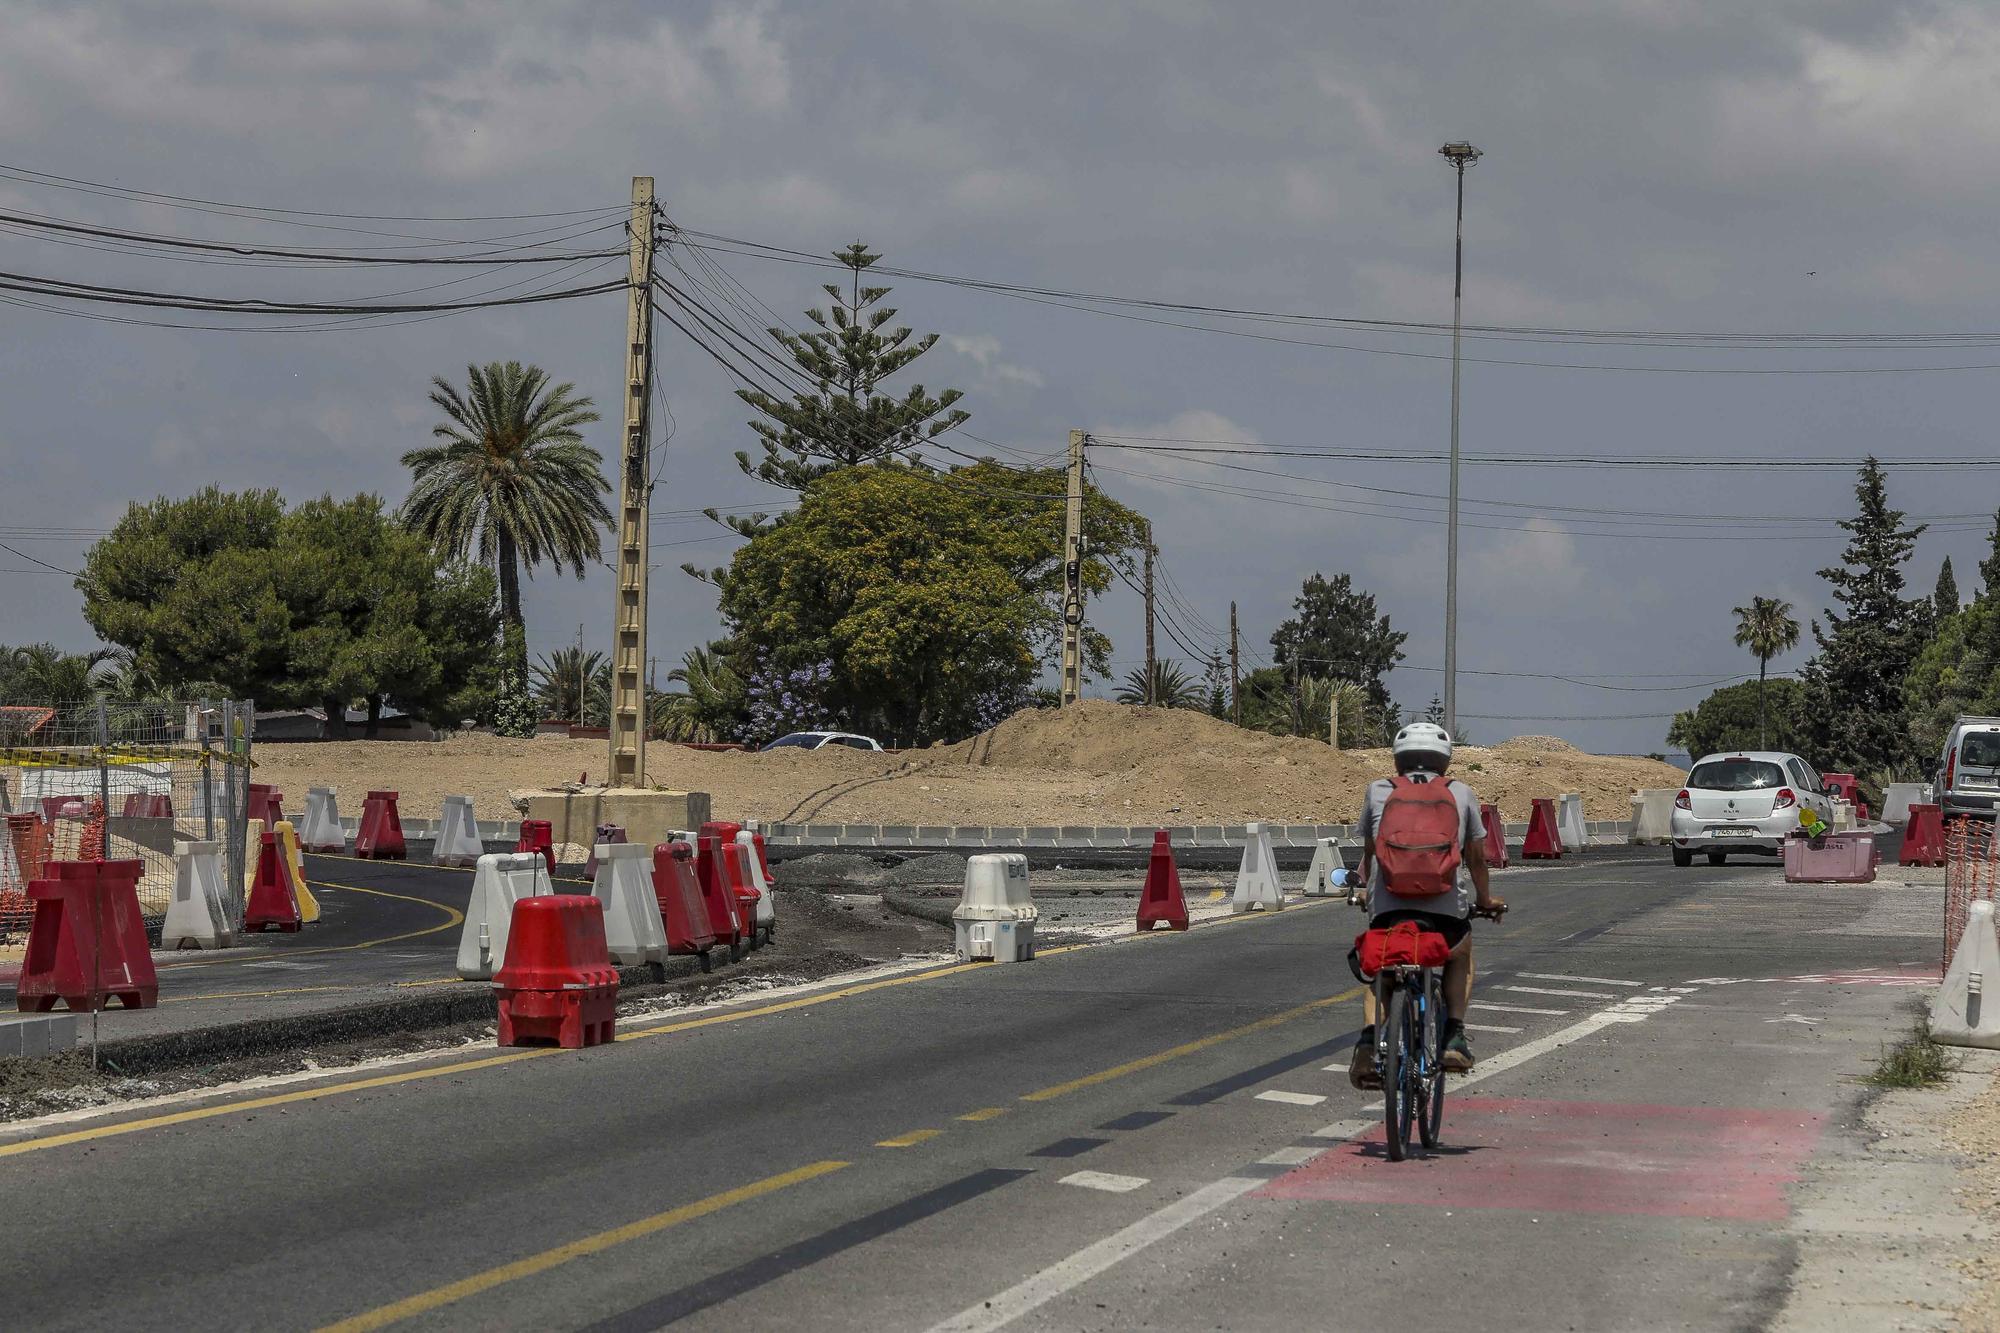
(1257, 876)
(1843, 815)
(633, 931)
(1653, 815)
(319, 827)
(1960, 1015)
(995, 918)
(457, 842)
(1569, 822)
(196, 916)
(1320, 875)
(1900, 796)
(501, 880)
(767, 907)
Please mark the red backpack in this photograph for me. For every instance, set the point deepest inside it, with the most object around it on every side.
(1418, 841)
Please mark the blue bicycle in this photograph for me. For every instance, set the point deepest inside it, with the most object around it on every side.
(1409, 1057)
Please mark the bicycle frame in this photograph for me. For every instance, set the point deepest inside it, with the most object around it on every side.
(1409, 1004)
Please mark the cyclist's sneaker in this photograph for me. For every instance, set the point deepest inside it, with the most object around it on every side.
(1458, 1054)
(1361, 1070)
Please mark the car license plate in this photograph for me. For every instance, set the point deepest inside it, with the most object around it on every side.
(1734, 831)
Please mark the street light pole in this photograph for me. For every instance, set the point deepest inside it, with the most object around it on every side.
(1461, 155)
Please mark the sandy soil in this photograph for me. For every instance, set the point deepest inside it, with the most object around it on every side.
(1975, 1131)
(1097, 763)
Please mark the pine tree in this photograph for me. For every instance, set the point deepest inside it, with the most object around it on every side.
(1989, 568)
(1946, 596)
(1854, 699)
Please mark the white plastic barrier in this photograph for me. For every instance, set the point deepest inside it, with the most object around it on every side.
(1653, 814)
(1843, 815)
(767, 909)
(1900, 796)
(995, 919)
(1257, 876)
(457, 842)
(319, 827)
(197, 917)
(633, 931)
(502, 879)
(1960, 1015)
(1569, 822)
(1325, 877)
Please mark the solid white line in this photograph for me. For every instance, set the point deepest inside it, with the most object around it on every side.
(1294, 1156)
(1596, 981)
(1517, 1008)
(1291, 1098)
(1088, 1262)
(1103, 1180)
(1577, 994)
(1488, 1027)
(1529, 1050)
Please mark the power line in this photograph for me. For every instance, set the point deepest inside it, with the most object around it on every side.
(81, 291)
(510, 254)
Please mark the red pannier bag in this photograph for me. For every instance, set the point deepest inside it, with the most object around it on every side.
(1405, 944)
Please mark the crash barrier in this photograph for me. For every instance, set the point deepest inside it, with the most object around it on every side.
(148, 805)
(759, 874)
(538, 836)
(1653, 815)
(1843, 814)
(683, 915)
(295, 865)
(1898, 797)
(995, 917)
(558, 984)
(1960, 1015)
(602, 834)
(1543, 842)
(1496, 836)
(1326, 877)
(381, 834)
(1835, 858)
(715, 895)
(1923, 837)
(1161, 902)
(199, 915)
(633, 930)
(1841, 786)
(273, 904)
(320, 829)
(499, 880)
(266, 803)
(1971, 875)
(457, 842)
(87, 946)
(736, 877)
(770, 881)
(1257, 874)
(1569, 822)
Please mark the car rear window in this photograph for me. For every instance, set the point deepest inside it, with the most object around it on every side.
(1980, 749)
(1739, 775)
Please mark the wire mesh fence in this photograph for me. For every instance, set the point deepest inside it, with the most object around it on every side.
(1972, 874)
(119, 780)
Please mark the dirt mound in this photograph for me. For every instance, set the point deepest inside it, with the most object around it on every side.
(1546, 744)
(1098, 736)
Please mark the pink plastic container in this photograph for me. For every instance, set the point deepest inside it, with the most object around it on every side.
(1844, 858)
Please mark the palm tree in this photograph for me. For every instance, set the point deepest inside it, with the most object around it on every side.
(1766, 628)
(512, 478)
(699, 712)
(560, 677)
(1171, 687)
(44, 673)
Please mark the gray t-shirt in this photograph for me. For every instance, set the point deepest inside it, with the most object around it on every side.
(1380, 900)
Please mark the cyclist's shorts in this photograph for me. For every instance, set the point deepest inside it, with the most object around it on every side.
(1453, 928)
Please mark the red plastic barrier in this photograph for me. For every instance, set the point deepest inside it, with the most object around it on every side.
(715, 895)
(1543, 843)
(63, 807)
(87, 946)
(682, 911)
(266, 803)
(1161, 901)
(537, 836)
(1496, 836)
(1842, 785)
(380, 837)
(736, 874)
(1923, 837)
(606, 833)
(272, 905)
(140, 805)
(558, 984)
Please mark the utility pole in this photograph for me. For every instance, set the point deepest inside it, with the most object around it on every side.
(1235, 673)
(628, 642)
(1072, 644)
(1151, 695)
(582, 683)
(1333, 718)
(1460, 155)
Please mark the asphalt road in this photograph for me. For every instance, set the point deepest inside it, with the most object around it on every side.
(1137, 1135)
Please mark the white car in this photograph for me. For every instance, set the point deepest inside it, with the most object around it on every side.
(1744, 802)
(820, 740)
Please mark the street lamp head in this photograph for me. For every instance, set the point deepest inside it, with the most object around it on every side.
(1460, 155)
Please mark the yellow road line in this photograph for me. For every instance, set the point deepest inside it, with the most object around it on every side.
(985, 1113)
(1187, 1048)
(911, 1139)
(434, 981)
(439, 1297)
(804, 1001)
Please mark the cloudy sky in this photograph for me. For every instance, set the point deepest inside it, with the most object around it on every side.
(1651, 165)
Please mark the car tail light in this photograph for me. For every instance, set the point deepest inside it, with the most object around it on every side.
(1684, 801)
(1950, 766)
(1786, 799)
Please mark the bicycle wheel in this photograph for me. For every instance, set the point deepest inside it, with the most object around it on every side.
(1397, 1063)
(1430, 1119)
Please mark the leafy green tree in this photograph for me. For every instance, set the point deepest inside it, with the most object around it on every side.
(1854, 710)
(1336, 630)
(1217, 681)
(1766, 627)
(575, 683)
(44, 673)
(709, 706)
(1169, 687)
(1946, 597)
(1742, 717)
(512, 481)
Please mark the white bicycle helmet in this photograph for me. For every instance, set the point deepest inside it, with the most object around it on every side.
(1423, 738)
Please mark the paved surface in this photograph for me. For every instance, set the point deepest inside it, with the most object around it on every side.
(1143, 1134)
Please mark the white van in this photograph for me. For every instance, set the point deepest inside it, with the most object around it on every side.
(1968, 775)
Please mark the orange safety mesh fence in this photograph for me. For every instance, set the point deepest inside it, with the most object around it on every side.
(1972, 874)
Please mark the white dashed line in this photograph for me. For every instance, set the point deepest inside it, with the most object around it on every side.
(1574, 994)
(1488, 1027)
(1290, 1156)
(1291, 1098)
(1103, 1180)
(1588, 981)
(1342, 1129)
(1517, 1008)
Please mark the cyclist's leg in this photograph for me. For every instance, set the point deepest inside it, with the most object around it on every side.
(1457, 1001)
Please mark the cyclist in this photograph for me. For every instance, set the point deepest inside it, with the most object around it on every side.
(1423, 752)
